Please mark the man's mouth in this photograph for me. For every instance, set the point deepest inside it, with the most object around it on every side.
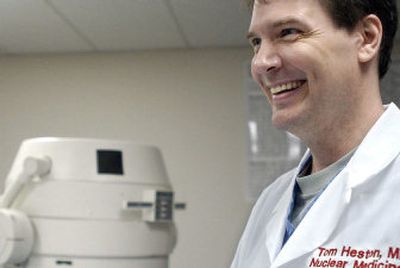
(286, 87)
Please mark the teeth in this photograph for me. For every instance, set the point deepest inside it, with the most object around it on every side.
(286, 86)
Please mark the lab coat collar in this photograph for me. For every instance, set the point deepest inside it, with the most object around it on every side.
(380, 146)
(378, 149)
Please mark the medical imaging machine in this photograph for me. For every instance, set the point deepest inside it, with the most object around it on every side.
(86, 203)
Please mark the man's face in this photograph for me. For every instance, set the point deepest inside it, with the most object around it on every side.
(306, 66)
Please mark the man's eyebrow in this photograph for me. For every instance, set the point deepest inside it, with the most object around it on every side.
(285, 21)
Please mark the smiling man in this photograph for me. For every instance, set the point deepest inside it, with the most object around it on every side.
(319, 62)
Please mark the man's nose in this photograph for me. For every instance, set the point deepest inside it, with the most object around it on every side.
(266, 60)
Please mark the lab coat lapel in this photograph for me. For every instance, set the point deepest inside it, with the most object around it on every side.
(275, 229)
(315, 229)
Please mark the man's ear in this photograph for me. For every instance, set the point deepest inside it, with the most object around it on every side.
(370, 33)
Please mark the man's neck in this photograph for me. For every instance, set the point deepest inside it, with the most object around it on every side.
(332, 143)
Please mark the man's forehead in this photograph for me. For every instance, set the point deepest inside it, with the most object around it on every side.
(290, 6)
(287, 5)
(278, 13)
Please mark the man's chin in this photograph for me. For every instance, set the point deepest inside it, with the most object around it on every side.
(281, 122)
(289, 118)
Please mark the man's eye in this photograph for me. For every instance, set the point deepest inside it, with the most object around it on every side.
(255, 42)
(289, 33)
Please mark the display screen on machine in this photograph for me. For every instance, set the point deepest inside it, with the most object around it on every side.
(109, 162)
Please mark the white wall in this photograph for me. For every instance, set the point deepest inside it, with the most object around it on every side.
(189, 103)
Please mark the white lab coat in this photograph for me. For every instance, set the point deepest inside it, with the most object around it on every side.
(354, 223)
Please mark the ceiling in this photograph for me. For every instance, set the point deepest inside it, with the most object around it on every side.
(61, 26)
